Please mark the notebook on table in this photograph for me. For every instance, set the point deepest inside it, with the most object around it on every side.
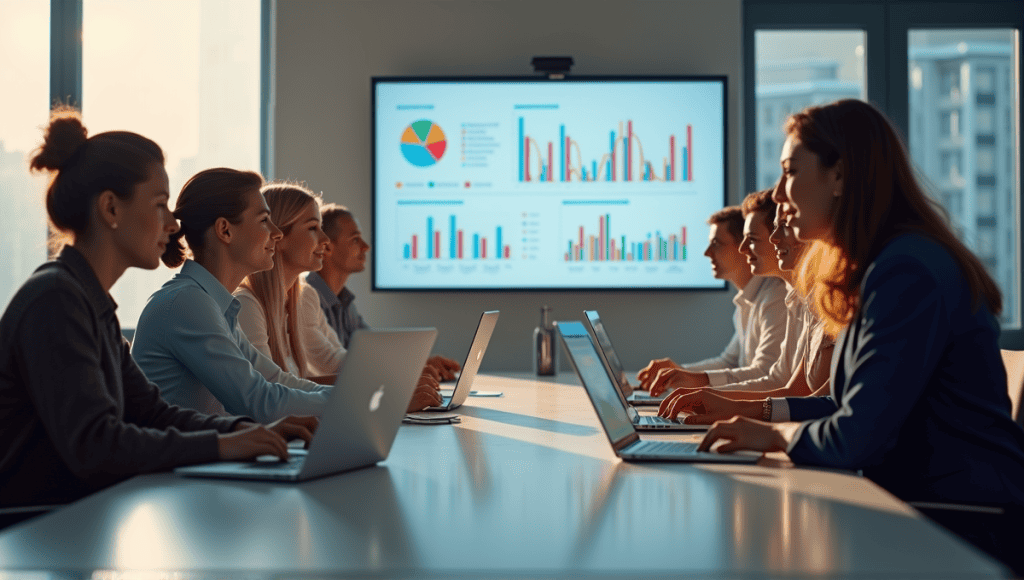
(363, 412)
(474, 357)
(611, 360)
(612, 414)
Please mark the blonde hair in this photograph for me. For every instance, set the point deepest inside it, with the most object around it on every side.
(286, 202)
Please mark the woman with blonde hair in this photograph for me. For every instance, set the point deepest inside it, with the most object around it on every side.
(280, 314)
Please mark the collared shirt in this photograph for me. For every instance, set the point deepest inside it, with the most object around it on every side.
(188, 342)
(760, 323)
(321, 349)
(76, 413)
(793, 347)
(339, 309)
(919, 396)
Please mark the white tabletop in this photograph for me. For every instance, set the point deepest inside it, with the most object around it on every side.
(526, 485)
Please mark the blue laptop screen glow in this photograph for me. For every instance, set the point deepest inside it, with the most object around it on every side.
(593, 374)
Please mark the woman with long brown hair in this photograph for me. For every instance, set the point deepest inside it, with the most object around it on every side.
(919, 395)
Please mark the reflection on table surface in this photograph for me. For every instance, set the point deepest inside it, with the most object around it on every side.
(527, 484)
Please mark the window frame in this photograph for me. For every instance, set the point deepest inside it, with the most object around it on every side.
(886, 24)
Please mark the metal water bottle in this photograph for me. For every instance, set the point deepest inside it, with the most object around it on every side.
(544, 345)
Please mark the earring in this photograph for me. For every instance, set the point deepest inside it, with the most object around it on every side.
(835, 193)
(113, 226)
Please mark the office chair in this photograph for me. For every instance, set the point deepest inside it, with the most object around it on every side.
(1014, 362)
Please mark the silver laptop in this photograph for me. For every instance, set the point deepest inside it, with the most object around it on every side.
(611, 360)
(612, 415)
(364, 410)
(477, 348)
(640, 422)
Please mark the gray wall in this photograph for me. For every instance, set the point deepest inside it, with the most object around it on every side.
(327, 50)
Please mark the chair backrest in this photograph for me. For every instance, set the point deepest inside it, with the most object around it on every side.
(1014, 362)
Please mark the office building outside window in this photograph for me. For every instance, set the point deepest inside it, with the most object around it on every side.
(24, 55)
(797, 69)
(960, 84)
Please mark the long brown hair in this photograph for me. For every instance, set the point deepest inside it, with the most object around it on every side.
(286, 202)
(881, 199)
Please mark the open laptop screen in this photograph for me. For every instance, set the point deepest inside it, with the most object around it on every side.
(605, 343)
(595, 379)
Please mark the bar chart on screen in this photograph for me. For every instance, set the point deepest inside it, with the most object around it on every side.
(622, 159)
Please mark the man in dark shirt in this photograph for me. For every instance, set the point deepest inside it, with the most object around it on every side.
(346, 255)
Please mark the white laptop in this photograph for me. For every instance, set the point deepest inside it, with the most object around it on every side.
(612, 415)
(477, 348)
(611, 360)
(364, 410)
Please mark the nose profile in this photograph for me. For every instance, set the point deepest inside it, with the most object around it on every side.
(275, 232)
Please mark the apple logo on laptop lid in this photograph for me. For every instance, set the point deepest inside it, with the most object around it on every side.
(375, 399)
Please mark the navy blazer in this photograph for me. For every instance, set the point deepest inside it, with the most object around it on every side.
(919, 397)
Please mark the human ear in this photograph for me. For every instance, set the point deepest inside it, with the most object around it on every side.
(106, 208)
(837, 178)
(222, 229)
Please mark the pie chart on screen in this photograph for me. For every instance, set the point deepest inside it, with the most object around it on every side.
(423, 143)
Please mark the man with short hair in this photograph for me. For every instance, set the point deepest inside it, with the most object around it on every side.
(759, 319)
(345, 255)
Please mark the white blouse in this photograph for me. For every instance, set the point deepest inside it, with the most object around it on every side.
(320, 344)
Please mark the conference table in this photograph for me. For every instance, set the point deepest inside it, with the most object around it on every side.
(526, 485)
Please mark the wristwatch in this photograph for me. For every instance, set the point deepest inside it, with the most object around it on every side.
(766, 410)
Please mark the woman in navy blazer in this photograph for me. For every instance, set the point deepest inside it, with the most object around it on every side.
(919, 395)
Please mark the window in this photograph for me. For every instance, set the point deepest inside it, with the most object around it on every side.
(797, 69)
(24, 50)
(194, 88)
(185, 74)
(970, 166)
(957, 102)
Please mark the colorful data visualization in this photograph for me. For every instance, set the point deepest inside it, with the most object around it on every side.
(423, 143)
(537, 184)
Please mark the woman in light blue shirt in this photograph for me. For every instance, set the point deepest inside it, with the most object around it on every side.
(188, 341)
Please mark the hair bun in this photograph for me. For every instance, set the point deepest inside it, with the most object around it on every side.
(63, 137)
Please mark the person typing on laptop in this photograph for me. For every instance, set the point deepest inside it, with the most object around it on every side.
(807, 350)
(78, 414)
(344, 255)
(759, 319)
(919, 398)
(188, 340)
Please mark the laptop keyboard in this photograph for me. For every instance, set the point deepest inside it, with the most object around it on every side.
(292, 463)
(658, 420)
(662, 447)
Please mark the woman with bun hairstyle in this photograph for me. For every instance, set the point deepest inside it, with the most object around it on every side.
(76, 413)
(280, 314)
(188, 340)
(919, 394)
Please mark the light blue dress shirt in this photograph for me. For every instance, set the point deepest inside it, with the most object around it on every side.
(188, 342)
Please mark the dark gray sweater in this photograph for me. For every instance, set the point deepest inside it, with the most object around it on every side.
(76, 413)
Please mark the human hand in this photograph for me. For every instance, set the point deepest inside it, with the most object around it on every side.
(296, 427)
(250, 443)
(445, 367)
(427, 380)
(425, 395)
(743, 433)
(706, 407)
(647, 374)
(669, 378)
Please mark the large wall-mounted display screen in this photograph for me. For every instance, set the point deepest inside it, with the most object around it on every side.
(509, 184)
